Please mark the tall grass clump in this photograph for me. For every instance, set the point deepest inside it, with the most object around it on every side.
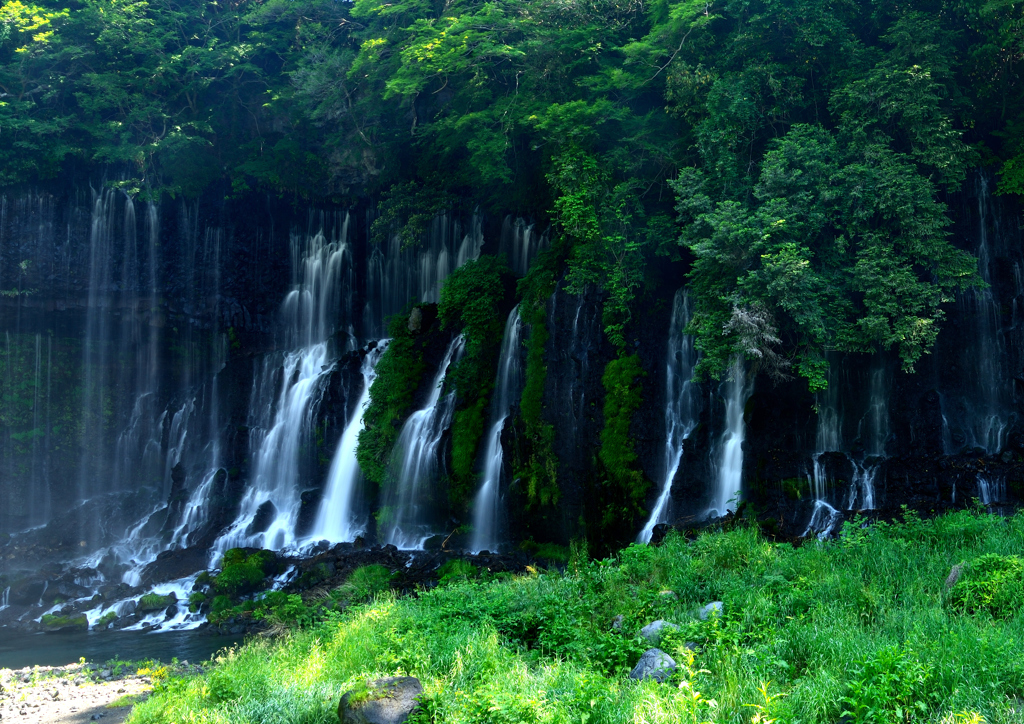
(862, 629)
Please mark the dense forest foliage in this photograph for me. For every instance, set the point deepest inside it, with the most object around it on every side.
(797, 153)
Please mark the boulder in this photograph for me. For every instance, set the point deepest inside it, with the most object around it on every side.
(654, 664)
(264, 518)
(713, 608)
(171, 565)
(617, 623)
(382, 701)
(954, 576)
(654, 631)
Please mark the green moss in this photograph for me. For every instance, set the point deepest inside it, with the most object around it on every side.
(623, 390)
(106, 619)
(467, 427)
(243, 572)
(399, 372)
(53, 621)
(155, 602)
(536, 464)
(471, 302)
(793, 488)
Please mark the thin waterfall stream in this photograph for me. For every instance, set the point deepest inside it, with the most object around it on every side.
(486, 506)
(336, 521)
(729, 464)
(407, 517)
(681, 405)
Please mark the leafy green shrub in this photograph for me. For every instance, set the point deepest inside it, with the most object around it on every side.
(456, 570)
(196, 601)
(243, 572)
(546, 551)
(286, 609)
(992, 583)
(220, 688)
(888, 687)
(365, 582)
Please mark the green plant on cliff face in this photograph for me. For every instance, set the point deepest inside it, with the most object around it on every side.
(399, 372)
(622, 398)
(537, 464)
(470, 304)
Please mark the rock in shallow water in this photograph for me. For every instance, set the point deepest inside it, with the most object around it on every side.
(383, 701)
(654, 664)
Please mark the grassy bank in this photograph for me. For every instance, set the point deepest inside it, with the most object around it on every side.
(863, 625)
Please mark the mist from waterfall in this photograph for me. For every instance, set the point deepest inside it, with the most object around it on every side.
(681, 405)
(507, 388)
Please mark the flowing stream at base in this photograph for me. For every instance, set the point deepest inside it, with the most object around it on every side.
(680, 405)
(486, 506)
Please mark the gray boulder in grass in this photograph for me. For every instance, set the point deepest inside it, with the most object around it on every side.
(654, 664)
(654, 631)
(382, 701)
(712, 609)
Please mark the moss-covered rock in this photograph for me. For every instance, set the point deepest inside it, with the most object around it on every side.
(53, 622)
(155, 602)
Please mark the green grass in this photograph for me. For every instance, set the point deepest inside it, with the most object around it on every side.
(862, 625)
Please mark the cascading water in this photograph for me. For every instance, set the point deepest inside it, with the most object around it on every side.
(977, 410)
(396, 276)
(283, 421)
(486, 506)
(729, 468)
(336, 520)
(872, 431)
(680, 405)
(521, 243)
(407, 517)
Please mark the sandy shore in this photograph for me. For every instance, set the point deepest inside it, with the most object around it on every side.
(69, 694)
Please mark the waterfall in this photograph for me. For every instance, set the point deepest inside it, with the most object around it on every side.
(680, 405)
(335, 520)
(286, 391)
(979, 414)
(872, 432)
(520, 244)
(396, 276)
(407, 518)
(824, 520)
(507, 389)
(729, 469)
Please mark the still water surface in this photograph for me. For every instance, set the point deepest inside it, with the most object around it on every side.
(18, 649)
